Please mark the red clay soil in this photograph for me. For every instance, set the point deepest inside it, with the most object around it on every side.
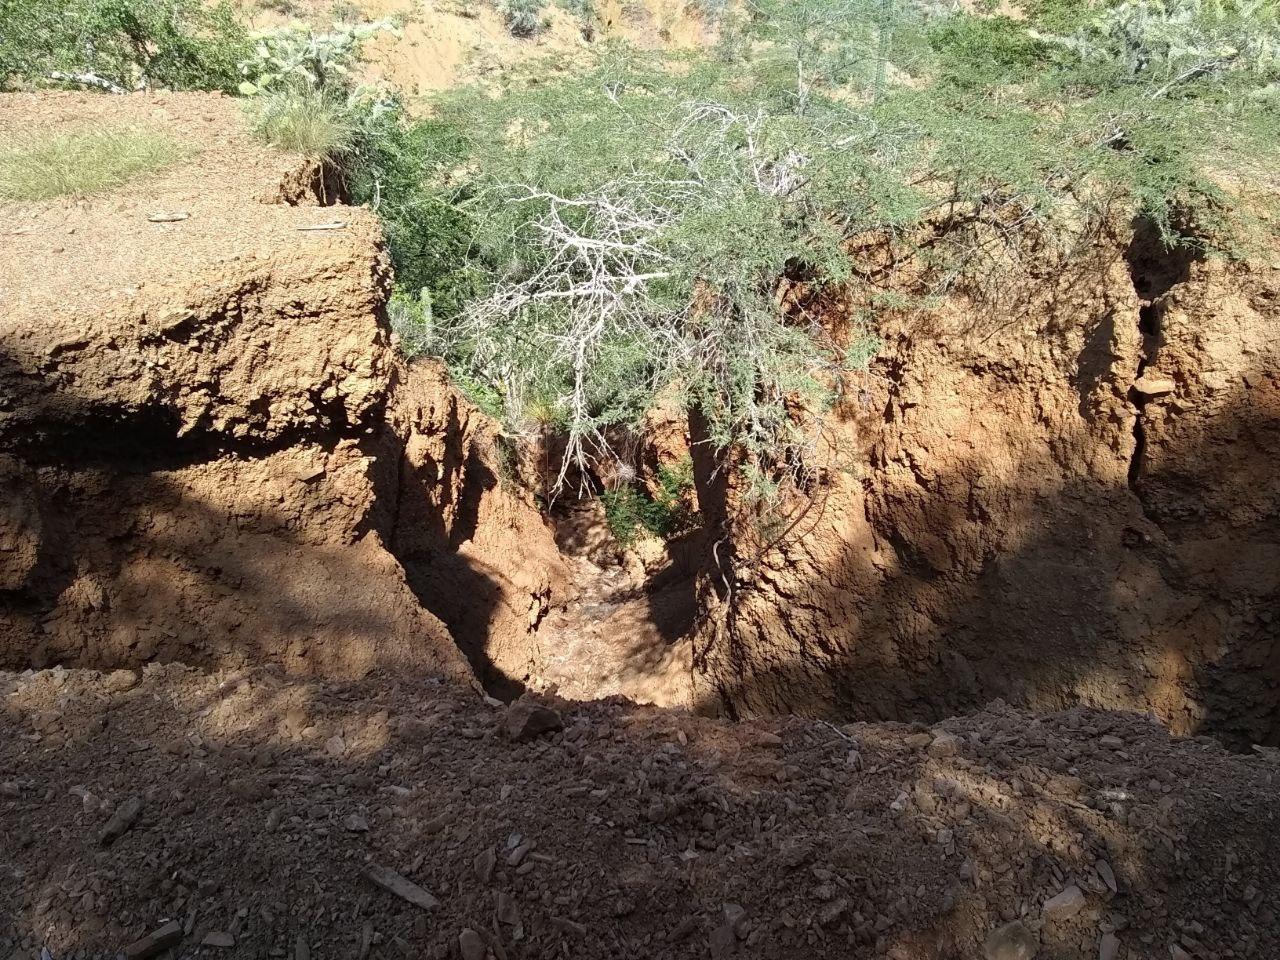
(1061, 491)
(210, 450)
(250, 809)
(217, 474)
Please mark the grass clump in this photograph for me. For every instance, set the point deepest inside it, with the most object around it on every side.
(303, 95)
(306, 122)
(83, 163)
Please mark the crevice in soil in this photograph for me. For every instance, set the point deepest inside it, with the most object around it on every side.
(1155, 268)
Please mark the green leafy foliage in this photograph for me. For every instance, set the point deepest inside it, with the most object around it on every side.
(83, 163)
(1166, 39)
(977, 52)
(120, 45)
(396, 173)
(306, 99)
(630, 509)
(656, 225)
(298, 57)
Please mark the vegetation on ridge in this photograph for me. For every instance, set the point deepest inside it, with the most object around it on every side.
(660, 224)
(636, 230)
(121, 45)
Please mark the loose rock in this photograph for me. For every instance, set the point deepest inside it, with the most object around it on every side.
(121, 821)
(527, 719)
(1013, 941)
(471, 945)
(392, 882)
(156, 942)
(1065, 905)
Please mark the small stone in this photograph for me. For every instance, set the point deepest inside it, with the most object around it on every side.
(945, 745)
(1013, 941)
(516, 856)
(527, 719)
(723, 942)
(155, 943)
(508, 912)
(767, 739)
(484, 863)
(118, 681)
(1113, 743)
(854, 760)
(218, 938)
(121, 821)
(1177, 953)
(1065, 905)
(335, 746)
(1153, 386)
(734, 915)
(356, 823)
(301, 949)
(471, 945)
(392, 882)
(10, 790)
(1108, 947)
(833, 911)
(1107, 874)
(565, 925)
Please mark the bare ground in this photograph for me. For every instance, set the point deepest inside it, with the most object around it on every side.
(265, 800)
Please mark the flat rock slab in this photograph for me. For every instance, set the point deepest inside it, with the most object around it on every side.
(155, 943)
(392, 882)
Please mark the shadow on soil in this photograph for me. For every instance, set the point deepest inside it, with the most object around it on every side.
(994, 577)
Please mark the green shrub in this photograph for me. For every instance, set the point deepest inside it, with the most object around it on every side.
(79, 164)
(396, 172)
(298, 57)
(305, 98)
(986, 51)
(1173, 41)
(658, 225)
(121, 45)
(630, 509)
(524, 17)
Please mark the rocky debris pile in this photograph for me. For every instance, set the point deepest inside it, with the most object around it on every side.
(250, 814)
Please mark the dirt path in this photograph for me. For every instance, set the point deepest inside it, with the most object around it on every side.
(620, 639)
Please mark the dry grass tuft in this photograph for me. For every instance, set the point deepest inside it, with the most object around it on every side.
(82, 163)
(308, 123)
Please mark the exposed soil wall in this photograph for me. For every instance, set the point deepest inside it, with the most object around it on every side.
(209, 450)
(1015, 505)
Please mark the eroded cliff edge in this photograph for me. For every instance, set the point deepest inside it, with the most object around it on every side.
(209, 449)
(1066, 492)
